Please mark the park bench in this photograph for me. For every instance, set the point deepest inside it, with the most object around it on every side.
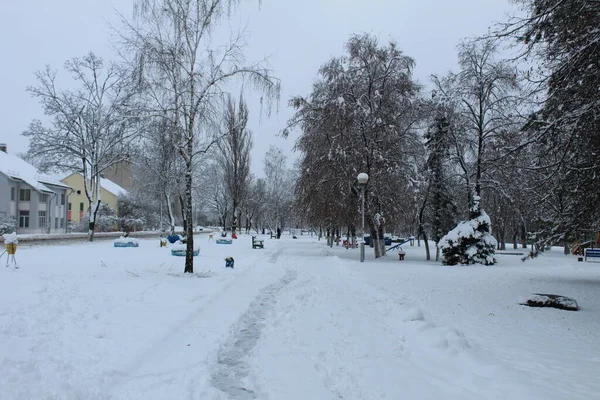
(591, 253)
(273, 235)
(257, 243)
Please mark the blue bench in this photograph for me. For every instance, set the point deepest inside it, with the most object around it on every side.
(591, 253)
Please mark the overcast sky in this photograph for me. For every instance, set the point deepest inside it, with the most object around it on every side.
(298, 37)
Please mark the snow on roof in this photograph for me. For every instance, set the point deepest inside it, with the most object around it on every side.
(112, 187)
(107, 185)
(16, 168)
(51, 180)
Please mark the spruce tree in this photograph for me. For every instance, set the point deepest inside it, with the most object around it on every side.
(470, 242)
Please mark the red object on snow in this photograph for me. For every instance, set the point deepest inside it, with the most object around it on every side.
(233, 236)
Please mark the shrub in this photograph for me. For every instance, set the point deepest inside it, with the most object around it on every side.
(470, 242)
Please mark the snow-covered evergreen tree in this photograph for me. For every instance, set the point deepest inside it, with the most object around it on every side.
(470, 242)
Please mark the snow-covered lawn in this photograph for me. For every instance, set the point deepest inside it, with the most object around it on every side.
(296, 320)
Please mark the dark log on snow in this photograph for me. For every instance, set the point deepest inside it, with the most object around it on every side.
(550, 300)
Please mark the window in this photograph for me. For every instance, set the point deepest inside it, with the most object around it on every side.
(42, 219)
(23, 219)
(78, 192)
(62, 223)
(43, 197)
(56, 223)
(12, 194)
(80, 206)
(69, 206)
(24, 194)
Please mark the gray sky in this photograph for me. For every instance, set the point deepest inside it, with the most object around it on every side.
(297, 36)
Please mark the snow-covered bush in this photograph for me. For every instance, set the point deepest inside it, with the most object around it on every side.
(137, 212)
(7, 225)
(106, 220)
(470, 242)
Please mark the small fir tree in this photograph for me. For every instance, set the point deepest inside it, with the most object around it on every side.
(470, 242)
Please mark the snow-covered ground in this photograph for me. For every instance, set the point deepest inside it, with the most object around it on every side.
(296, 320)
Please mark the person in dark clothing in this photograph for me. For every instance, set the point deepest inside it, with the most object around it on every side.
(278, 232)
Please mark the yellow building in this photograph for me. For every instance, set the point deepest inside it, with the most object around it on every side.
(78, 202)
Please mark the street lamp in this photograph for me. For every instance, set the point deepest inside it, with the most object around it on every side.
(362, 180)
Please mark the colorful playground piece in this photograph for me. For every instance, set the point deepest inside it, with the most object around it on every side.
(125, 244)
(229, 261)
(224, 241)
(181, 253)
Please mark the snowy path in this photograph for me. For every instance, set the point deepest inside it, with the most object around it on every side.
(344, 340)
(296, 320)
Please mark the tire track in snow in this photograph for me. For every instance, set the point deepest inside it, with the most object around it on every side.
(232, 365)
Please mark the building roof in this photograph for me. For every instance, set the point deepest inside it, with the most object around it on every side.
(107, 185)
(112, 187)
(18, 169)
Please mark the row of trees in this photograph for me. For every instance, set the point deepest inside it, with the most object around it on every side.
(521, 143)
(169, 95)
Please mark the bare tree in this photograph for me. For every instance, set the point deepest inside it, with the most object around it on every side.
(184, 75)
(90, 127)
(159, 170)
(234, 156)
(276, 174)
(483, 96)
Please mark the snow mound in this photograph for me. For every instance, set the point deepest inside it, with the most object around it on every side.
(182, 246)
(123, 239)
(10, 238)
(414, 314)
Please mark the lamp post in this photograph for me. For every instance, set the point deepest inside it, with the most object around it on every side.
(362, 180)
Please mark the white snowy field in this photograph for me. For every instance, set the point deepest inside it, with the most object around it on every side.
(296, 320)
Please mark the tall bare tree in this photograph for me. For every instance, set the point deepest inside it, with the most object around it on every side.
(483, 94)
(234, 156)
(185, 74)
(90, 126)
(159, 170)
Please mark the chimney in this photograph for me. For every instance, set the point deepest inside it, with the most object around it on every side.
(4, 147)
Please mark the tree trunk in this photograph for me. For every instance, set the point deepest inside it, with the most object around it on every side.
(92, 225)
(171, 214)
(426, 242)
(189, 253)
(381, 235)
(184, 215)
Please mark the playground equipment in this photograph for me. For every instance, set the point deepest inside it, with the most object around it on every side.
(181, 253)
(125, 242)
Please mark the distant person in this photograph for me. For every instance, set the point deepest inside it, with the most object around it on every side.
(278, 232)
